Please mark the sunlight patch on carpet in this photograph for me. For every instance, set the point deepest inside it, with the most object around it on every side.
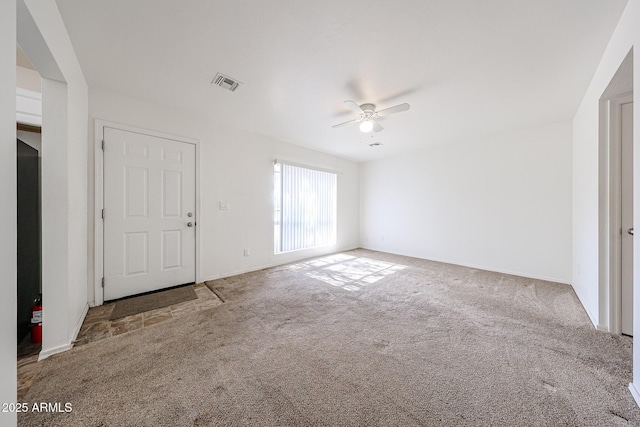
(320, 262)
(348, 272)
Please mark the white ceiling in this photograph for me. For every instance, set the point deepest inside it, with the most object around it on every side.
(467, 67)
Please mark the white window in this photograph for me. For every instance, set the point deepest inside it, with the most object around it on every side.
(305, 207)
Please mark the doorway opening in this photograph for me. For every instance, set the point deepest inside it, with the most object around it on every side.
(616, 200)
(29, 216)
(621, 139)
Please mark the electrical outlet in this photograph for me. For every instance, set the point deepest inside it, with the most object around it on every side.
(246, 252)
(224, 206)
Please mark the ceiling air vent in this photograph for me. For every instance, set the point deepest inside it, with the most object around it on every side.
(375, 144)
(226, 82)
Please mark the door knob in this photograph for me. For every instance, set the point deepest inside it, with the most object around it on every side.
(630, 231)
(189, 224)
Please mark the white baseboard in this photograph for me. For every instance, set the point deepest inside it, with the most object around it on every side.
(55, 350)
(59, 349)
(477, 267)
(635, 393)
(593, 319)
(79, 323)
(275, 264)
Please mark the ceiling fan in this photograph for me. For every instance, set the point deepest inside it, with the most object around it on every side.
(368, 115)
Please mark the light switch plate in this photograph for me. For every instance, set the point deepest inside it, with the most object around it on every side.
(224, 206)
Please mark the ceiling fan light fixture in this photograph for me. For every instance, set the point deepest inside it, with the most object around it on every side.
(366, 126)
(367, 115)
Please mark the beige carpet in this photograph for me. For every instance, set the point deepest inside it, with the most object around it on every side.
(212, 287)
(357, 339)
(140, 304)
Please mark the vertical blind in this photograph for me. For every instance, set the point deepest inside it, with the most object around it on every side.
(305, 207)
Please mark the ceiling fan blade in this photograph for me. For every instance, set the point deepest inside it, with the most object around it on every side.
(345, 123)
(395, 109)
(376, 126)
(354, 106)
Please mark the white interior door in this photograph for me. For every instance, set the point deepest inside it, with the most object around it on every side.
(149, 213)
(627, 219)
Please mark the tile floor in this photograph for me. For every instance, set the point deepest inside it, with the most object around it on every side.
(97, 326)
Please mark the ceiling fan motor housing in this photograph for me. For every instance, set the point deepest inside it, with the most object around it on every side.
(367, 115)
(368, 108)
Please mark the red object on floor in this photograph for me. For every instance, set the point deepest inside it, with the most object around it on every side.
(36, 323)
(36, 333)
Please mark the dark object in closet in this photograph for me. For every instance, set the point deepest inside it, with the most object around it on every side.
(29, 236)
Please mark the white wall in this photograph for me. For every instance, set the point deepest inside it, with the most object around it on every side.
(500, 203)
(55, 211)
(8, 301)
(235, 167)
(43, 36)
(587, 217)
(28, 79)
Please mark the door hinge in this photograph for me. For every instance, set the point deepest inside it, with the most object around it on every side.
(103, 145)
(102, 213)
(103, 282)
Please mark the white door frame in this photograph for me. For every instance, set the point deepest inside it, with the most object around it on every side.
(99, 198)
(614, 136)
